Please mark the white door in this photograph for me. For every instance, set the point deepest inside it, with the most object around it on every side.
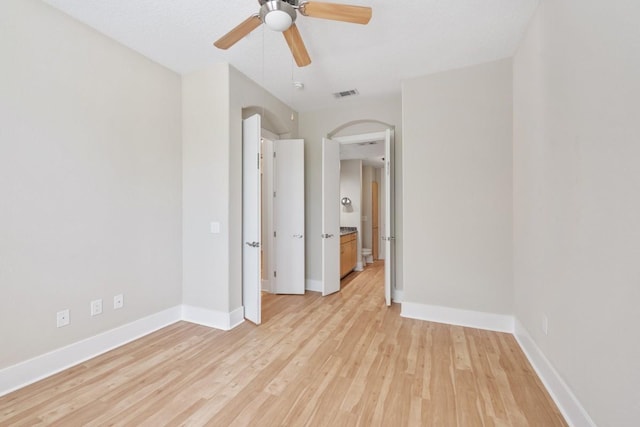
(388, 216)
(288, 207)
(330, 216)
(251, 219)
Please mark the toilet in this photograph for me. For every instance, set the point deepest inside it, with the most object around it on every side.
(367, 257)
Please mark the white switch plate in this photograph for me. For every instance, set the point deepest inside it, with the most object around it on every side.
(62, 318)
(96, 307)
(118, 302)
(545, 324)
(215, 227)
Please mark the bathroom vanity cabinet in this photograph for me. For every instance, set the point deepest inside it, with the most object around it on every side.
(348, 253)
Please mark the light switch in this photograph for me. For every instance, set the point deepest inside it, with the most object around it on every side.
(215, 228)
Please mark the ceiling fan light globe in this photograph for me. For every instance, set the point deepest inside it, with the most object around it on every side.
(278, 20)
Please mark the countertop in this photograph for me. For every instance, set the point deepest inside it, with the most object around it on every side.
(347, 230)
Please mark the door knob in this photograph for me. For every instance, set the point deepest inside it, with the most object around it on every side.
(298, 236)
(253, 244)
(326, 236)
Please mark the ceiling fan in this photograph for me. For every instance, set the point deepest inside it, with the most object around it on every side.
(280, 15)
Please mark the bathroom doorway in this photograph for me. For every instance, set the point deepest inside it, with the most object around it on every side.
(371, 153)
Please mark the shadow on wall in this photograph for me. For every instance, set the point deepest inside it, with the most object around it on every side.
(270, 121)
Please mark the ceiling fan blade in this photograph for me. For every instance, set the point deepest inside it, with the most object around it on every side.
(298, 50)
(242, 30)
(337, 12)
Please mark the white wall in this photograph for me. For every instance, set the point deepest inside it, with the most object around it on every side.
(351, 187)
(89, 181)
(457, 188)
(316, 124)
(576, 205)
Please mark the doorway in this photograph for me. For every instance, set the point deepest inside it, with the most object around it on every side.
(377, 150)
(272, 216)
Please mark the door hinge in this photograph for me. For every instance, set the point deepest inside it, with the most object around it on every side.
(274, 194)
(274, 154)
(274, 234)
(258, 165)
(275, 274)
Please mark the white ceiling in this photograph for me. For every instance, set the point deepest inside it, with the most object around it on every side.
(404, 39)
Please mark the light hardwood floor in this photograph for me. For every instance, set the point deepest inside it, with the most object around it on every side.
(342, 360)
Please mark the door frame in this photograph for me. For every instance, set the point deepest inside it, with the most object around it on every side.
(390, 222)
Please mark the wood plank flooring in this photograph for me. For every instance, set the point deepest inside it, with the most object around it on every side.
(342, 360)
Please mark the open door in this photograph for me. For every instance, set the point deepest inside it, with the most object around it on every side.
(251, 219)
(288, 206)
(388, 215)
(375, 227)
(330, 216)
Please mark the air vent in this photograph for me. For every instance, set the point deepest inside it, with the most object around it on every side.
(346, 93)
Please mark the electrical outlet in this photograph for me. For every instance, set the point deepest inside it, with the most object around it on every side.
(545, 324)
(118, 301)
(62, 318)
(96, 307)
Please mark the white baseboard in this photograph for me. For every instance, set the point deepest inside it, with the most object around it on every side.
(236, 317)
(397, 295)
(265, 286)
(40, 367)
(560, 392)
(563, 396)
(32, 370)
(213, 318)
(313, 285)
(455, 316)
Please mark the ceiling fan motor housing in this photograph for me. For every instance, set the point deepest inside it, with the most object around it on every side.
(293, 3)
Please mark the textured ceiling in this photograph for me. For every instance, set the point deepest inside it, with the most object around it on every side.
(404, 39)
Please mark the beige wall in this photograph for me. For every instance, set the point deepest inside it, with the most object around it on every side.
(314, 125)
(89, 181)
(576, 205)
(213, 101)
(205, 188)
(457, 188)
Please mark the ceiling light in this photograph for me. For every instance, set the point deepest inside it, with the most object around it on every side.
(278, 20)
(277, 15)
